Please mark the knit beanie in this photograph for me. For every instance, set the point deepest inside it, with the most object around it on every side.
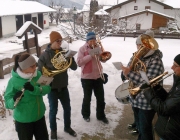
(150, 33)
(28, 62)
(177, 59)
(90, 36)
(54, 36)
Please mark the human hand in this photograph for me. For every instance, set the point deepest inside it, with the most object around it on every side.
(17, 95)
(125, 70)
(28, 86)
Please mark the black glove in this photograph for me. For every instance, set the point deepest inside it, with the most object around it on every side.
(18, 94)
(105, 78)
(28, 86)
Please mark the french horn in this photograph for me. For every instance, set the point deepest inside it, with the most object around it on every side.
(59, 62)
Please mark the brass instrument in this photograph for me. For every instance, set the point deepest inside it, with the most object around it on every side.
(105, 55)
(60, 63)
(148, 43)
(19, 98)
(152, 82)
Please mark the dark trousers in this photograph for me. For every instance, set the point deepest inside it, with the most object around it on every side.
(63, 96)
(144, 122)
(90, 85)
(27, 130)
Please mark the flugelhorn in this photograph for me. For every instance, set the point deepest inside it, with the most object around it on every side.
(105, 55)
(152, 82)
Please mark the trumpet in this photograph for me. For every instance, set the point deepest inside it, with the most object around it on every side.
(152, 82)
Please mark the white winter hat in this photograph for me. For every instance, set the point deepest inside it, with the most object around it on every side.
(150, 33)
(138, 40)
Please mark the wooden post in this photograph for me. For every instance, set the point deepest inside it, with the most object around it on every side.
(36, 43)
(1, 70)
(26, 42)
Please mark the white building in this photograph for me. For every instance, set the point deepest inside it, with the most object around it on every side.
(13, 14)
(139, 14)
(144, 14)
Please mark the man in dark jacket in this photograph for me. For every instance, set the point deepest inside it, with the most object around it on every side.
(168, 108)
(59, 85)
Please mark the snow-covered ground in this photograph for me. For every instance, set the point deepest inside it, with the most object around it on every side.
(121, 51)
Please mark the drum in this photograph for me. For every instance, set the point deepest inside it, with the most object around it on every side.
(122, 93)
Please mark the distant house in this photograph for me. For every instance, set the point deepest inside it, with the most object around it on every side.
(13, 14)
(144, 14)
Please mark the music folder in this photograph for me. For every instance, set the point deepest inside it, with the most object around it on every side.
(118, 65)
(70, 53)
(44, 80)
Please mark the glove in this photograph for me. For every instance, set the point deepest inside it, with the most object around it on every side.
(105, 78)
(18, 94)
(28, 86)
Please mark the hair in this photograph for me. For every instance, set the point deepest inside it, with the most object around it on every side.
(19, 58)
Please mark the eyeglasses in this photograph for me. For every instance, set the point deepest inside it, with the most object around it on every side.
(58, 41)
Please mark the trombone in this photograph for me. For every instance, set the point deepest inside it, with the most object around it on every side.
(98, 65)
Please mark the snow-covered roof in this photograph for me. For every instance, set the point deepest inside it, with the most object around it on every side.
(147, 10)
(173, 3)
(101, 12)
(22, 7)
(106, 2)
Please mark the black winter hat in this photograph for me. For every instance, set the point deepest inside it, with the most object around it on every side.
(177, 59)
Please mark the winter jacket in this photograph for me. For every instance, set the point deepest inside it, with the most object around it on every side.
(168, 123)
(88, 64)
(154, 68)
(31, 106)
(60, 80)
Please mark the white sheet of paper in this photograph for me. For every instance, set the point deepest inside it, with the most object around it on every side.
(144, 77)
(70, 53)
(94, 51)
(44, 80)
(118, 65)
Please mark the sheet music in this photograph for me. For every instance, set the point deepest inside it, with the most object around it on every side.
(118, 65)
(44, 80)
(95, 51)
(70, 53)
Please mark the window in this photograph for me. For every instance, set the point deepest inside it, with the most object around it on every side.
(135, 7)
(147, 7)
(138, 26)
(114, 21)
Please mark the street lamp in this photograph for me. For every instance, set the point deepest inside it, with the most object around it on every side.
(75, 13)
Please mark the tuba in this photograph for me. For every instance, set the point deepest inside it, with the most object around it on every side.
(148, 43)
(60, 63)
(105, 55)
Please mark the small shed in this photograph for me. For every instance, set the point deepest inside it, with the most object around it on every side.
(29, 26)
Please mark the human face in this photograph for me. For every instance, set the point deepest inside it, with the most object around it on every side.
(56, 44)
(31, 69)
(176, 68)
(92, 43)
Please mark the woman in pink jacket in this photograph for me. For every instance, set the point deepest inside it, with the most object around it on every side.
(91, 79)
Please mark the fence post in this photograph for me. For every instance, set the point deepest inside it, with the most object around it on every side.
(1, 70)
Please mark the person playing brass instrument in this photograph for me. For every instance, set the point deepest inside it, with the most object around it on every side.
(91, 78)
(59, 89)
(29, 112)
(153, 64)
(167, 106)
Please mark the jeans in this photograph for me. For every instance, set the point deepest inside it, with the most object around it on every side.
(144, 123)
(27, 130)
(63, 96)
(90, 85)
